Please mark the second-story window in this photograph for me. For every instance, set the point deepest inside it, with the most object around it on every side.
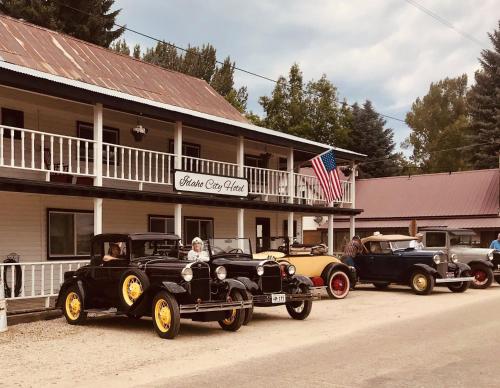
(254, 161)
(109, 135)
(12, 118)
(188, 149)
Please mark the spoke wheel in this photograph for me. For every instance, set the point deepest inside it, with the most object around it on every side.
(338, 285)
(73, 306)
(300, 310)
(133, 284)
(235, 317)
(166, 315)
(483, 277)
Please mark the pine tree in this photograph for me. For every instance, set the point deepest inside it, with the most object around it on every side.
(439, 121)
(120, 46)
(89, 20)
(484, 107)
(369, 136)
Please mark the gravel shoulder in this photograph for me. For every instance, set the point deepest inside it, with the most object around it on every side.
(116, 351)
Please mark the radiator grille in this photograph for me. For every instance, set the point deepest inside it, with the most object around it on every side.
(271, 281)
(200, 285)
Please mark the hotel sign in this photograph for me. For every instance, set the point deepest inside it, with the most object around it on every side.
(210, 184)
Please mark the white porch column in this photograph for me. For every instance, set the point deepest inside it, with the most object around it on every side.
(330, 234)
(352, 219)
(291, 180)
(290, 227)
(98, 124)
(178, 145)
(240, 156)
(241, 227)
(178, 220)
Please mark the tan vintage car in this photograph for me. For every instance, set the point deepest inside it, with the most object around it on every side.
(312, 261)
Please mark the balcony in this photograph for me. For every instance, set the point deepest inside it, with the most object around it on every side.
(29, 154)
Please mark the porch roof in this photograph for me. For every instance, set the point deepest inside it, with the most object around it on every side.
(45, 61)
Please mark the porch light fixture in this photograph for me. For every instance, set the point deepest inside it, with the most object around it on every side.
(139, 131)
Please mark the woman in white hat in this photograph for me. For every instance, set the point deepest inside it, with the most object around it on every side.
(197, 252)
(418, 244)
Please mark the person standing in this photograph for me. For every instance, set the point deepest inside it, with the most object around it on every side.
(351, 250)
(495, 244)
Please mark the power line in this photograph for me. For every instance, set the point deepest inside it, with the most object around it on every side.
(444, 22)
(186, 50)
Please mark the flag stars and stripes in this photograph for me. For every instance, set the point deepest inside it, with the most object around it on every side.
(325, 168)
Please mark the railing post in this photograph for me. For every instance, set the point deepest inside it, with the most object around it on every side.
(291, 178)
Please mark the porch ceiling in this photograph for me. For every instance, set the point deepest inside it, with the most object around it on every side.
(53, 188)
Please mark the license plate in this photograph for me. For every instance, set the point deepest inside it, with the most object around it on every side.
(450, 274)
(278, 298)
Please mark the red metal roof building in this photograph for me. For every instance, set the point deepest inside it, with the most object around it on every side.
(468, 199)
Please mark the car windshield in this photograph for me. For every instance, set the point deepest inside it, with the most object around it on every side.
(144, 248)
(400, 245)
(463, 241)
(221, 246)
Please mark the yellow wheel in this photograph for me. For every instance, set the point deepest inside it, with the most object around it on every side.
(133, 283)
(166, 315)
(234, 318)
(73, 306)
(422, 283)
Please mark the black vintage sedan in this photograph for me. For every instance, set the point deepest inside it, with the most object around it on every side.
(136, 275)
(270, 283)
(390, 259)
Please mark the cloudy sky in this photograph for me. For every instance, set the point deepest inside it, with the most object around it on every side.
(386, 51)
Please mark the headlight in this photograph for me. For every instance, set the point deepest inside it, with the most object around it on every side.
(221, 272)
(490, 256)
(454, 258)
(436, 259)
(291, 269)
(187, 274)
(260, 270)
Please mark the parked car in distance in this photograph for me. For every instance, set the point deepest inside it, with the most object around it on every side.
(389, 259)
(145, 280)
(270, 283)
(313, 261)
(458, 242)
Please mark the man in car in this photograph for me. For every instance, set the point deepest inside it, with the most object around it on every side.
(197, 252)
(351, 250)
(113, 253)
(495, 244)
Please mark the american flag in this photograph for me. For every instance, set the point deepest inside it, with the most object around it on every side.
(325, 168)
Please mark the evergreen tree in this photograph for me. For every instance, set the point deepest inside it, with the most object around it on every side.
(120, 46)
(89, 20)
(369, 136)
(439, 121)
(484, 107)
(137, 52)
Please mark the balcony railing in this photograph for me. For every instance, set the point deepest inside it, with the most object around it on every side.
(60, 156)
(40, 151)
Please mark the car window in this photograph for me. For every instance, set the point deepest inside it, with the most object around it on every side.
(144, 248)
(435, 239)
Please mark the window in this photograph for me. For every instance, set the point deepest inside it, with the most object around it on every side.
(161, 224)
(188, 149)
(198, 227)
(109, 135)
(254, 161)
(69, 233)
(12, 118)
(435, 239)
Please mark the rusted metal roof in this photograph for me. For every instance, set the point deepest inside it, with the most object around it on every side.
(40, 49)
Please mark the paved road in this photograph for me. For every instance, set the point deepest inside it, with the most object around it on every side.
(455, 348)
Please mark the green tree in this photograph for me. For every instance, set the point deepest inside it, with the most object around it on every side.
(137, 52)
(439, 123)
(89, 20)
(484, 107)
(120, 46)
(370, 137)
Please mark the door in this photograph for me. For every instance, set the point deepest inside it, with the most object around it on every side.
(263, 234)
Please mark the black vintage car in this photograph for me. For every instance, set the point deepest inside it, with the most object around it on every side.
(145, 279)
(495, 260)
(269, 282)
(389, 259)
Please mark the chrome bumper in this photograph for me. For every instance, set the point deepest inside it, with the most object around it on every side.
(266, 299)
(214, 306)
(455, 280)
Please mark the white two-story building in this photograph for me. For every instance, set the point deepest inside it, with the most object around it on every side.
(92, 141)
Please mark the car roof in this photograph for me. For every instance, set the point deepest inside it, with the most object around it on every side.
(388, 237)
(136, 236)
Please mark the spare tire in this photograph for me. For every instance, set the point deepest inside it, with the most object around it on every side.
(18, 278)
(132, 284)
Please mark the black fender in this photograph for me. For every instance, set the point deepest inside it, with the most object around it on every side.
(484, 263)
(143, 303)
(462, 267)
(172, 287)
(422, 267)
(250, 285)
(69, 283)
(301, 279)
(331, 267)
(234, 284)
